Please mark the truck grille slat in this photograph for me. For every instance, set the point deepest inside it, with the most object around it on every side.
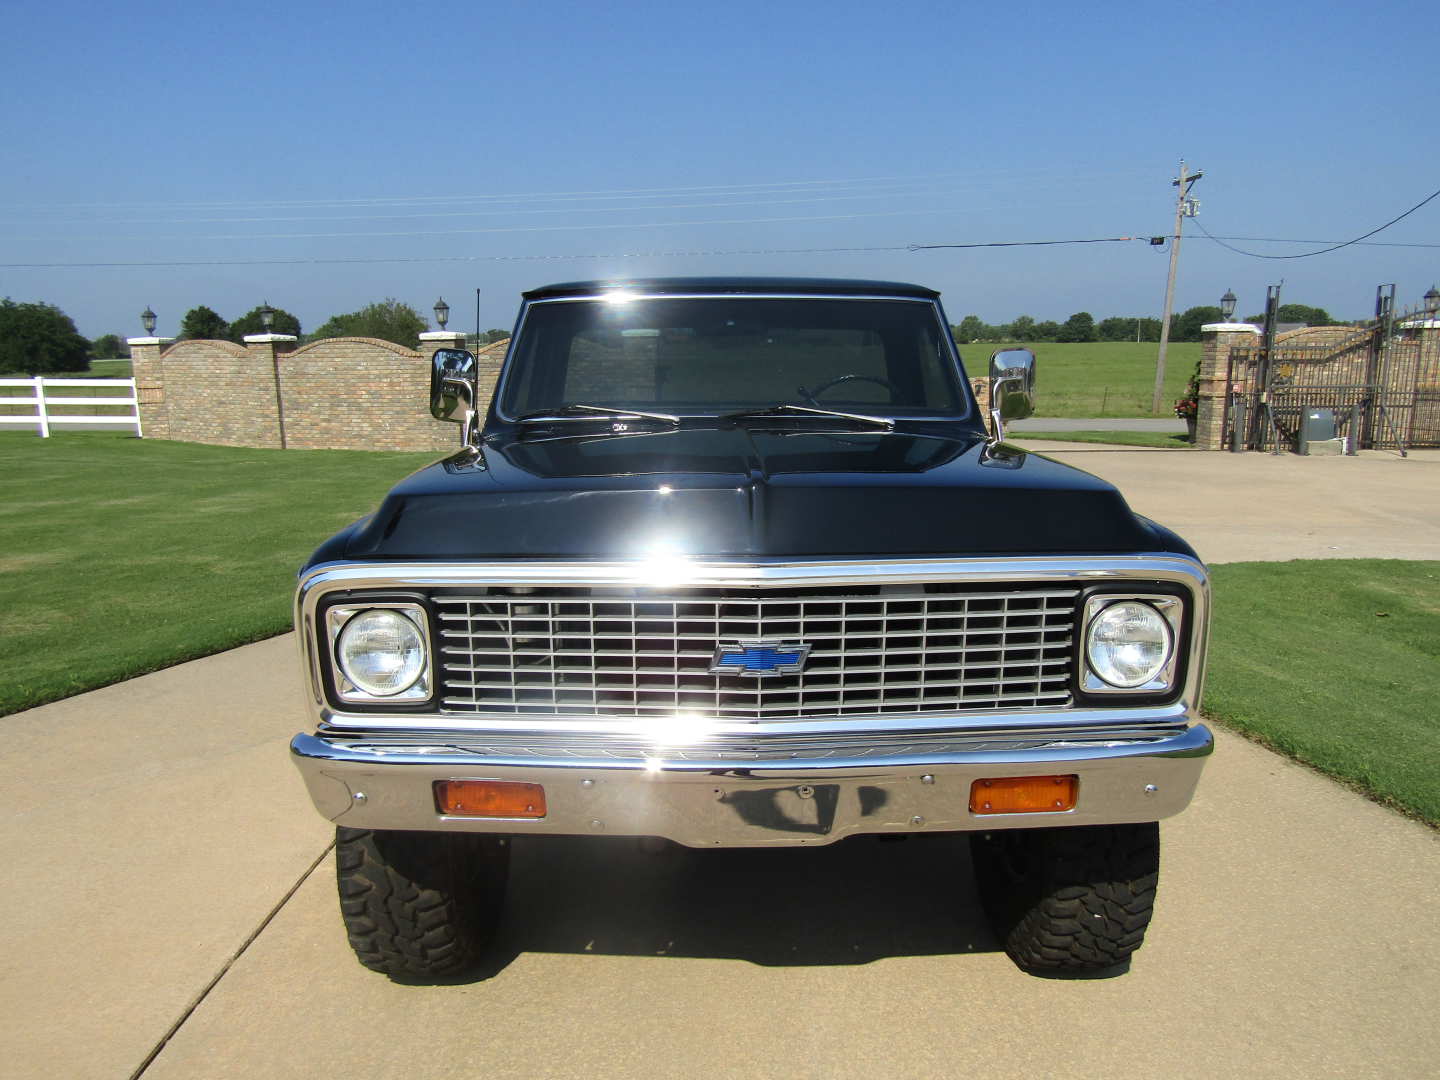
(939, 670)
(874, 650)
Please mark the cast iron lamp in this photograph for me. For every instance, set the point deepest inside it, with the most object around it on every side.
(1227, 305)
(267, 316)
(147, 319)
(442, 312)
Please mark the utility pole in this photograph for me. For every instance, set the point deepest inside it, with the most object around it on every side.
(1184, 207)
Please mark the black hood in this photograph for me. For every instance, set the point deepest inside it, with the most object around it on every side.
(757, 493)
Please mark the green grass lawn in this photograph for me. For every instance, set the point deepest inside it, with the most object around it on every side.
(1102, 378)
(1336, 663)
(1114, 438)
(108, 369)
(124, 555)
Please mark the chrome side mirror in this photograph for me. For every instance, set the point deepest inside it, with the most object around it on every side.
(452, 389)
(1012, 387)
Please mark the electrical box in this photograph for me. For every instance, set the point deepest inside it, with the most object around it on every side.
(1316, 425)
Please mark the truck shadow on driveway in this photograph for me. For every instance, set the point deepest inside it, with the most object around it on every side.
(853, 902)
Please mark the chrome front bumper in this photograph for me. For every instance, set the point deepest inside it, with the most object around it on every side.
(758, 796)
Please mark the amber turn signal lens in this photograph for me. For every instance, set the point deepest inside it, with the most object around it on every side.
(1024, 795)
(489, 798)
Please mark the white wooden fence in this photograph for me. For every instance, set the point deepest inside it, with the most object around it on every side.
(41, 401)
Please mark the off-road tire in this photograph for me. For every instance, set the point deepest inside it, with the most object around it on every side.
(419, 905)
(1073, 899)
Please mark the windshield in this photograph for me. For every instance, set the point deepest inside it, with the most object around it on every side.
(731, 354)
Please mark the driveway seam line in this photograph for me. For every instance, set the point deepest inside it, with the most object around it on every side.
(225, 968)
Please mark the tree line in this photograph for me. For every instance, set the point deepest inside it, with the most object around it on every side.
(1082, 326)
(40, 339)
(389, 320)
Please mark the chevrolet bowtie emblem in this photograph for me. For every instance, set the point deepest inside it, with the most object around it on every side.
(759, 658)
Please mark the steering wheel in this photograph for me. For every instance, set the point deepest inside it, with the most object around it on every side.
(811, 395)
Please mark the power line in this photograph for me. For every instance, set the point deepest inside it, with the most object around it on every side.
(514, 212)
(365, 260)
(975, 179)
(1360, 243)
(780, 186)
(1322, 251)
(1024, 243)
(168, 264)
(726, 199)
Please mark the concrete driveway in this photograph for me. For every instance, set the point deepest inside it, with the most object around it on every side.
(170, 899)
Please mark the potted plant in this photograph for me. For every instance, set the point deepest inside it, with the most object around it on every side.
(1189, 405)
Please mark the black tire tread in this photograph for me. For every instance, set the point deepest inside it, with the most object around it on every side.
(418, 905)
(1072, 899)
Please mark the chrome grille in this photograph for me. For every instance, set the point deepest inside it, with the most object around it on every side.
(874, 650)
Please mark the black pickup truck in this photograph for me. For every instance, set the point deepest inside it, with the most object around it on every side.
(736, 561)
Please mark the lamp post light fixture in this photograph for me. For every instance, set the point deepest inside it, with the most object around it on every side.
(267, 316)
(442, 312)
(1432, 302)
(1227, 305)
(147, 320)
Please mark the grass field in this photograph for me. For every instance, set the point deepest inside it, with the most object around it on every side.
(125, 555)
(1113, 438)
(108, 369)
(1336, 663)
(1098, 378)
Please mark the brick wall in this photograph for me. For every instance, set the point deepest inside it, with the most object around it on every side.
(487, 367)
(1327, 337)
(339, 393)
(218, 392)
(360, 394)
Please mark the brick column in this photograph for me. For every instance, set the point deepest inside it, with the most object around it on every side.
(439, 339)
(1217, 339)
(148, 371)
(266, 350)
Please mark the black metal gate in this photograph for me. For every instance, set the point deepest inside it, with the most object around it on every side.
(1381, 379)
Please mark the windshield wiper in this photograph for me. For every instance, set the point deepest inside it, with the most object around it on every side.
(593, 412)
(786, 409)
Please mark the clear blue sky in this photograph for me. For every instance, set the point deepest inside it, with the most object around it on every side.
(221, 133)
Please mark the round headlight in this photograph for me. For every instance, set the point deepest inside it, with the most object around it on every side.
(1128, 644)
(381, 652)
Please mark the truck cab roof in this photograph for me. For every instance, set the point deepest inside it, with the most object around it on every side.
(786, 286)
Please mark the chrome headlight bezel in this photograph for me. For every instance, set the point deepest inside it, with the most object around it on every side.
(339, 616)
(1170, 608)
